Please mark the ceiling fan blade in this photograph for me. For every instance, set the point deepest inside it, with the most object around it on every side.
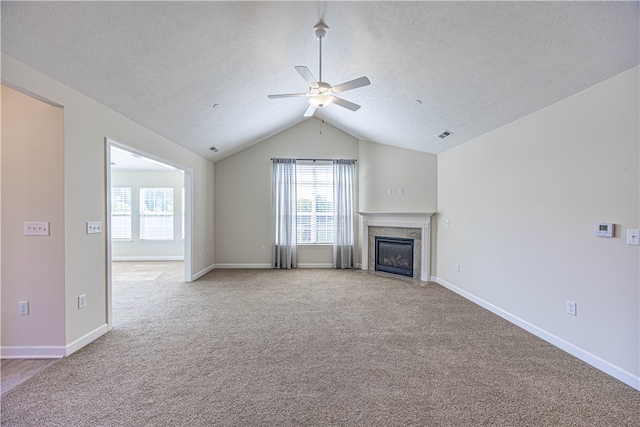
(307, 76)
(310, 111)
(346, 104)
(286, 95)
(353, 84)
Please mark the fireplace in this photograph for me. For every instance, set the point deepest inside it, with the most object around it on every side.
(394, 255)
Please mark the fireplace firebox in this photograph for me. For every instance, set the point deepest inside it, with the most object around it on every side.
(394, 255)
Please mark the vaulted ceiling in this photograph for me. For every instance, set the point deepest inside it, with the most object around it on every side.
(465, 67)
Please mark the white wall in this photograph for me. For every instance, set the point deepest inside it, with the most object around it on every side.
(86, 125)
(32, 190)
(136, 248)
(243, 193)
(383, 168)
(523, 202)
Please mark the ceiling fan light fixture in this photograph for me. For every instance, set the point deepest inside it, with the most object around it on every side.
(320, 101)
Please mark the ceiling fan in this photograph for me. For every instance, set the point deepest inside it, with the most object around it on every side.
(320, 93)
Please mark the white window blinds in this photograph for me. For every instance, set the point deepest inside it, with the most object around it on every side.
(315, 202)
(156, 213)
(121, 212)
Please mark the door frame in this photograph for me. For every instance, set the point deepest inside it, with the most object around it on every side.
(188, 214)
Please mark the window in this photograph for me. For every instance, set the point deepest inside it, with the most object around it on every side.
(121, 212)
(156, 213)
(315, 202)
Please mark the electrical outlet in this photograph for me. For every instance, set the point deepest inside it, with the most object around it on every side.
(82, 301)
(263, 249)
(23, 308)
(572, 308)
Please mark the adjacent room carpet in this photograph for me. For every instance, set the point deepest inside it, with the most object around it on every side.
(313, 348)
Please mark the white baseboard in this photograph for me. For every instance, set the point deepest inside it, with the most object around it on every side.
(148, 258)
(32, 352)
(243, 265)
(54, 351)
(86, 339)
(593, 360)
(315, 265)
(300, 265)
(202, 272)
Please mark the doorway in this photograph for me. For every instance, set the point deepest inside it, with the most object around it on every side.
(149, 213)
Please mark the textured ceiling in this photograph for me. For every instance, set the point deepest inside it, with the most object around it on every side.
(475, 66)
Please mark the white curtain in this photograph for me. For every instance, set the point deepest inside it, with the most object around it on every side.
(343, 214)
(283, 187)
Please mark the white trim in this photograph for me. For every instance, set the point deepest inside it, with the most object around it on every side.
(201, 273)
(32, 352)
(315, 265)
(107, 230)
(300, 265)
(54, 351)
(242, 265)
(593, 360)
(148, 258)
(86, 339)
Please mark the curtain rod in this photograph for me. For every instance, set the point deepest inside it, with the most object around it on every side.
(321, 160)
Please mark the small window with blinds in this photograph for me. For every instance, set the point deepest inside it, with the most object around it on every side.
(315, 202)
(156, 213)
(121, 212)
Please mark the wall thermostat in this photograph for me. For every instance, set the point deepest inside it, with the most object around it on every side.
(604, 229)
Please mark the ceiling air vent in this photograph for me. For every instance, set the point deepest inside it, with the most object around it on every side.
(445, 134)
(214, 149)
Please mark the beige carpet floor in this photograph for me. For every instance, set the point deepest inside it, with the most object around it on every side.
(313, 348)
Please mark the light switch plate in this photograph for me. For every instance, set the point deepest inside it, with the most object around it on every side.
(633, 237)
(36, 228)
(94, 227)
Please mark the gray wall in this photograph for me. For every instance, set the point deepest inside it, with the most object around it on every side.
(522, 204)
(82, 162)
(243, 189)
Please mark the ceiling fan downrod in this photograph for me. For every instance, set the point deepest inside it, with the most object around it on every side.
(321, 32)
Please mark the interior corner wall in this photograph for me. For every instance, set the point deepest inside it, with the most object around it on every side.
(32, 190)
(522, 203)
(136, 249)
(86, 125)
(385, 169)
(243, 194)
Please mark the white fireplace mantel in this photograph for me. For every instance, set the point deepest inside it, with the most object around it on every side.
(421, 220)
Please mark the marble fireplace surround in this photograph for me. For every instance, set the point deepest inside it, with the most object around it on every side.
(407, 224)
